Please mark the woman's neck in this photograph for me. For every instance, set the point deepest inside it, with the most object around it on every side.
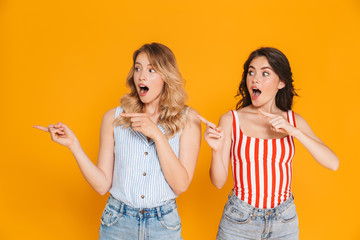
(153, 111)
(269, 107)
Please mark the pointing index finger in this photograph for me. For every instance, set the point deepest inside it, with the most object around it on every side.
(265, 114)
(132, 114)
(203, 119)
(41, 128)
(206, 122)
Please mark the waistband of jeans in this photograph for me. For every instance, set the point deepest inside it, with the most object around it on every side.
(167, 207)
(259, 211)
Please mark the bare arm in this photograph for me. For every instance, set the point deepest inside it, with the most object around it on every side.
(99, 177)
(318, 149)
(178, 172)
(219, 139)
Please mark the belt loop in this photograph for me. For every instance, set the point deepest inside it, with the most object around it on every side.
(277, 213)
(158, 212)
(122, 207)
(253, 214)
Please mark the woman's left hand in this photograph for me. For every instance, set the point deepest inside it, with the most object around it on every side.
(278, 123)
(141, 122)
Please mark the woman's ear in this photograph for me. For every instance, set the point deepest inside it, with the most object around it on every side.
(281, 85)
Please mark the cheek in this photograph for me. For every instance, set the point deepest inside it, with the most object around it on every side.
(158, 82)
(247, 82)
(136, 76)
(270, 83)
(161, 85)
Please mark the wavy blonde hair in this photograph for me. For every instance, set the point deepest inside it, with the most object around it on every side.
(173, 97)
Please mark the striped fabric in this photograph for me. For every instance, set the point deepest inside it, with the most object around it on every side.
(138, 180)
(262, 168)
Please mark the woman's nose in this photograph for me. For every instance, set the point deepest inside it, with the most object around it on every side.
(143, 75)
(256, 79)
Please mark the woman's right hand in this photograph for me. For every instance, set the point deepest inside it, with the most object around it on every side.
(60, 133)
(213, 135)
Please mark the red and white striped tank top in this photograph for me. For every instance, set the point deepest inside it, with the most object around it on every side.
(262, 168)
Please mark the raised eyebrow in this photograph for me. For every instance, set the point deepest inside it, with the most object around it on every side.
(266, 68)
(141, 64)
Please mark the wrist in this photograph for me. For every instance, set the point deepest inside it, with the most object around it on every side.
(74, 146)
(217, 152)
(296, 133)
(159, 136)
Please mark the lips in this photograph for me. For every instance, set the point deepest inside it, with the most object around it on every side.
(143, 89)
(255, 92)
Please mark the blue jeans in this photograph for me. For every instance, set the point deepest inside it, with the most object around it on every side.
(243, 221)
(120, 221)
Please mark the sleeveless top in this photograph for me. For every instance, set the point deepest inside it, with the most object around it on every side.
(138, 180)
(261, 168)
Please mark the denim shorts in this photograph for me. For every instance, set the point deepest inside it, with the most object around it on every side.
(120, 221)
(243, 221)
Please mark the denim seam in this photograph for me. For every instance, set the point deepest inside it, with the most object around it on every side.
(117, 217)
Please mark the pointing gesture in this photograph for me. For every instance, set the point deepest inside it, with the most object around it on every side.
(141, 122)
(213, 135)
(278, 123)
(60, 133)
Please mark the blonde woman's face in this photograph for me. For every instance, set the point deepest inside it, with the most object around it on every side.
(149, 84)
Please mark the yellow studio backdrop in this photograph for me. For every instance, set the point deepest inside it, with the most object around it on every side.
(68, 60)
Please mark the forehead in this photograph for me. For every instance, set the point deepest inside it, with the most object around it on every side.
(142, 58)
(259, 62)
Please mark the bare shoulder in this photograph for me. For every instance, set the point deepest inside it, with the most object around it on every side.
(192, 113)
(192, 125)
(300, 121)
(226, 118)
(192, 116)
(225, 121)
(109, 116)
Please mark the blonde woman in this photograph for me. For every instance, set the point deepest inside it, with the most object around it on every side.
(148, 150)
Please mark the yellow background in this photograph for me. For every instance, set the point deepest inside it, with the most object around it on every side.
(68, 60)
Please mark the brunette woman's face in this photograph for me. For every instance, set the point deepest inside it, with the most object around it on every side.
(262, 82)
(149, 84)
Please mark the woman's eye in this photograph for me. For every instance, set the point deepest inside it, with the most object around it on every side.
(251, 73)
(137, 69)
(266, 74)
(152, 70)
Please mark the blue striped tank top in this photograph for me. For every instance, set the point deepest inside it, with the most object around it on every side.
(138, 180)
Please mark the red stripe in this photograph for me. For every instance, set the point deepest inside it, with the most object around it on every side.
(247, 157)
(241, 167)
(288, 118)
(291, 162)
(265, 173)
(290, 175)
(233, 155)
(257, 173)
(273, 172)
(293, 114)
(287, 168)
(281, 169)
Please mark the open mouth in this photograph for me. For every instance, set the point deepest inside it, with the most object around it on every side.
(256, 92)
(143, 89)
